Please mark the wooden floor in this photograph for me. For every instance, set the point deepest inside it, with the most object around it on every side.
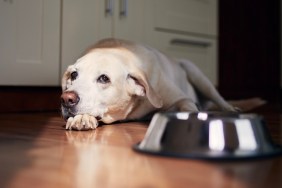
(36, 151)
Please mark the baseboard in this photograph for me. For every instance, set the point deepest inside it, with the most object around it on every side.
(27, 99)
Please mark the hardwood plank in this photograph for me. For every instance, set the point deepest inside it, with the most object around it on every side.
(36, 151)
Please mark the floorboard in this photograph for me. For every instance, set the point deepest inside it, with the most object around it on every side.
(36, 151)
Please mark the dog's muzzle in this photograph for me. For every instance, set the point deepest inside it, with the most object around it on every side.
(69, 99)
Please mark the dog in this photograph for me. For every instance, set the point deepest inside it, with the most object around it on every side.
(118, 80)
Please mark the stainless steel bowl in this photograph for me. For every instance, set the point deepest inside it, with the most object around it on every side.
(208, 135)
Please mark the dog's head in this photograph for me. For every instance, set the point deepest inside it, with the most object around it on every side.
(107, 84)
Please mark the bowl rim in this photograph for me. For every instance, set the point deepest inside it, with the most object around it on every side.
(275, 151)
(272, 151)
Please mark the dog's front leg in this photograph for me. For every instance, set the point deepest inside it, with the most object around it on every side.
(82, 122)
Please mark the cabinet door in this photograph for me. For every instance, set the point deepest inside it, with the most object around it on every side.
(185, 29)
(84, 23)
(192, 16)
(29, 42)
(201, 51)
(129, 19)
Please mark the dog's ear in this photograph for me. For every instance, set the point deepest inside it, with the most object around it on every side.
(139, 85)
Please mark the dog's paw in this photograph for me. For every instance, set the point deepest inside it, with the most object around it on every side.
(82, 122)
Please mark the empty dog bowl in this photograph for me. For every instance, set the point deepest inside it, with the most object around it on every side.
(210, 135)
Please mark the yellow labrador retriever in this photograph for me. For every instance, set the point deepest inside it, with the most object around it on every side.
(120, 80)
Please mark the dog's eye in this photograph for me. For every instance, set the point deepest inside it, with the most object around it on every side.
(74, 75)
(103, 79)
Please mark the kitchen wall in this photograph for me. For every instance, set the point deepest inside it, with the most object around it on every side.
(249, 49)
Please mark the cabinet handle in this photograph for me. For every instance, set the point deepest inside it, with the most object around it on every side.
(185, 42)
(123, 8)
(109, 7)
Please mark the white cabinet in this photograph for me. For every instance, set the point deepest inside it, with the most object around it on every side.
(81, 26)
(85, 22)
(185, 29)
(193, 16)
(29, 42)
(201, 51)
(40, 38)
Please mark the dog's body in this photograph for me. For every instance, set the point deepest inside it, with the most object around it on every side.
(118, 80)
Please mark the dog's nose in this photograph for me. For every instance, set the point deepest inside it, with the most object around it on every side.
(69, 98)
